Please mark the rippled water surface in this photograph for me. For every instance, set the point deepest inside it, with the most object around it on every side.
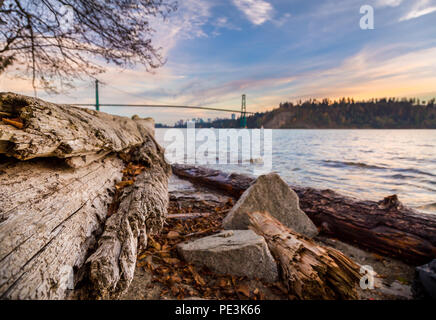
(367, 164)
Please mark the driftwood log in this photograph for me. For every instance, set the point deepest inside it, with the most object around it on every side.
(309, 270)
(54, 223)
(62, 131)
(50, 215)
(386, 227)
(142, 209)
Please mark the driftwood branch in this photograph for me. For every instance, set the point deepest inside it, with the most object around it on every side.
(142, 210)
(309, 270)
(386, 227)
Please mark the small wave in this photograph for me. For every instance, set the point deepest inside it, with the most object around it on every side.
(415, 171)
(428, 207)
(400, 176)
(339, 164)
(429, 181)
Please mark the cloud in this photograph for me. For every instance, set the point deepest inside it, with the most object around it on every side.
(374, 73)
(223, 23)
(282, 20)
(257, 11)
(186, 23)
(388, 3)
(421, 8)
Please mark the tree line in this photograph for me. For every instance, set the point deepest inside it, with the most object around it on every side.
(345, 113)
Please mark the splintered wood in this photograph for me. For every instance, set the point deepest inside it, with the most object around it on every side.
(309, 270)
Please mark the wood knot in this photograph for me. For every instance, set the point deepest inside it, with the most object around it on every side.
(390, 202)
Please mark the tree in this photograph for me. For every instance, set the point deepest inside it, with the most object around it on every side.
(56, 41)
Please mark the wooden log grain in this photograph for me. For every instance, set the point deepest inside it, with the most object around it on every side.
(55, 233)
(385, 227)
(142, 210)
(50, 215)
(309, 270)
(62, 131)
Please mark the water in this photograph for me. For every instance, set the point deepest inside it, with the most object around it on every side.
(365, 164)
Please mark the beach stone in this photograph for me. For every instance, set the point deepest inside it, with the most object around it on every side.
(234, 252)
(269, 193)
(424, 285)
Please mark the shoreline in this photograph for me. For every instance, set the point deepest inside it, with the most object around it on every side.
(393, 281)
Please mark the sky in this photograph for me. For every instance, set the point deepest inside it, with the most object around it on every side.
(272, 51)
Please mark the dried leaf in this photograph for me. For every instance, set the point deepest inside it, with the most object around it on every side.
(123, 184)
(244, 290)
(171, 260)
(17, 123)
(173, 235)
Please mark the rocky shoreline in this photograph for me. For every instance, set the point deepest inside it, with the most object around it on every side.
(394, 278)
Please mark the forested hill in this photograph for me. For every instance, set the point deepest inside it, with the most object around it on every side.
(345, 113)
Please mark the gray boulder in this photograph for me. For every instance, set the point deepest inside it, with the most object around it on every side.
(235, 252)
(424, 285)
(269, 193)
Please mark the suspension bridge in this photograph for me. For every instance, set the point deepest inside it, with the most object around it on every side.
(243, 111)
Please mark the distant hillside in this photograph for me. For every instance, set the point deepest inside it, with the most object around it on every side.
(343, 114)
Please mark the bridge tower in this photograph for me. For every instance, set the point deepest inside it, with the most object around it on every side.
(243, 113)
(97, 102)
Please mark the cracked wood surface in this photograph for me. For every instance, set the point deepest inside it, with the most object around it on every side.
(310, 270)
(50, 215)
(62, 131)
(142, 210)
(54, 205)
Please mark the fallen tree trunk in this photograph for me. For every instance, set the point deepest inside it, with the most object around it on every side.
(54, 207)
(386, 227)
(309, 270)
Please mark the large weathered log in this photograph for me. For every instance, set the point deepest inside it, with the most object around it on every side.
(51, 130)
(53, 211)
(386, 227)
(311, 271)
(50, 215)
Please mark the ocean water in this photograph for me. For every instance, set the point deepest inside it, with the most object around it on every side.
(365, 164)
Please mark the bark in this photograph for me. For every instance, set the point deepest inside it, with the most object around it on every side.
(309, 270)
(62, 131)
(385, 227)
